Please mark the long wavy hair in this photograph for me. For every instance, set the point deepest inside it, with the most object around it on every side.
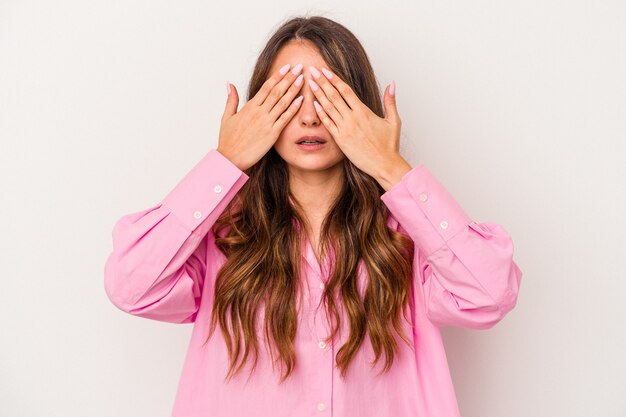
(258, 232)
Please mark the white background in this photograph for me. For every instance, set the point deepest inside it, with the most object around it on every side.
(518, 107)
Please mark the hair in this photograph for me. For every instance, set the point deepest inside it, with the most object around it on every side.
(258, 232)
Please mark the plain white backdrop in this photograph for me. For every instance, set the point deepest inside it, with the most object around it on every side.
(519, 108)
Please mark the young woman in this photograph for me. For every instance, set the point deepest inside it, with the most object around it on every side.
(316, 260)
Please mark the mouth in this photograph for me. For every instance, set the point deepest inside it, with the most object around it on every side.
(312, 140)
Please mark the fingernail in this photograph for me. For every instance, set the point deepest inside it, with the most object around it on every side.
(227, 88)
(317, 106)
(299, 80)
(313, 85)
(327, 73)
(298, 100)
(284, 69)
(392, 88)
(314, 71)
(296, 69)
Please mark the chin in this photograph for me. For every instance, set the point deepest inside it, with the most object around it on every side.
(314, 164)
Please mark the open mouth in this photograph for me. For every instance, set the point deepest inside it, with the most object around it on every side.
(310, 142)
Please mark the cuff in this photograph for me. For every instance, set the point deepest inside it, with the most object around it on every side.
(211, 181)
(425, 209)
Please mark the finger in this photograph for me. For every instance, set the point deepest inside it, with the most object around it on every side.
(286, 116)
(347, 93)
(267, 86)
(232, 101)
(329, 108)
(287, 98)
(391, 108)
(330, 92)
(279, 89)
(327, 121)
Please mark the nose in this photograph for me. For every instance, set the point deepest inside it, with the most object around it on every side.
(307, 115)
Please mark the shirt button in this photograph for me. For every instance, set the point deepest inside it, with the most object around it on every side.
(444, 224)
(321, 344)
(217, 189)
(197, 214)
(321, 406)
(423, 197)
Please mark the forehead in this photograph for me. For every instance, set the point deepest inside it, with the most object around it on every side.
(295, 52)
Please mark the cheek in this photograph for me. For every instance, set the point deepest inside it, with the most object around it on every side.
(281, 141)
(282, 144)
(286, 134)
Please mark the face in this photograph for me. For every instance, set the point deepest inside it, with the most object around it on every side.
(306, 120)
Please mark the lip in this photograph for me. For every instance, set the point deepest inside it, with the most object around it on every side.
(310, 138)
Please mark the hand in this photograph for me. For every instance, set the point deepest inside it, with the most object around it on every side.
(246, 136)
(370, 142)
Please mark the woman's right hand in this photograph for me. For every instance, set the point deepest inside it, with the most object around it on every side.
(247, 135)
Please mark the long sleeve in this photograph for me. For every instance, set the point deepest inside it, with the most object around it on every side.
(159, 259)
(466, 269)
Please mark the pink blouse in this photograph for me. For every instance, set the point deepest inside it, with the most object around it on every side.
(164, 263)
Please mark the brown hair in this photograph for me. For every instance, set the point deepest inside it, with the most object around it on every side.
(264, 248)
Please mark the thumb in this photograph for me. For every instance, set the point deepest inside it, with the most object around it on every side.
(391, 110)
(232, 101)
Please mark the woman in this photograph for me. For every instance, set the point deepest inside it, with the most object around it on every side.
(315, 260)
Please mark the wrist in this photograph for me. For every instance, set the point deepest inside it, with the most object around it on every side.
(230, 158)
(392, 172)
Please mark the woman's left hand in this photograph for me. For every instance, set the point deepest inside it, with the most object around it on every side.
(370, 142)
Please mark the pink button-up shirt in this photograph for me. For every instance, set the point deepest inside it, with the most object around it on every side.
(164, 263)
